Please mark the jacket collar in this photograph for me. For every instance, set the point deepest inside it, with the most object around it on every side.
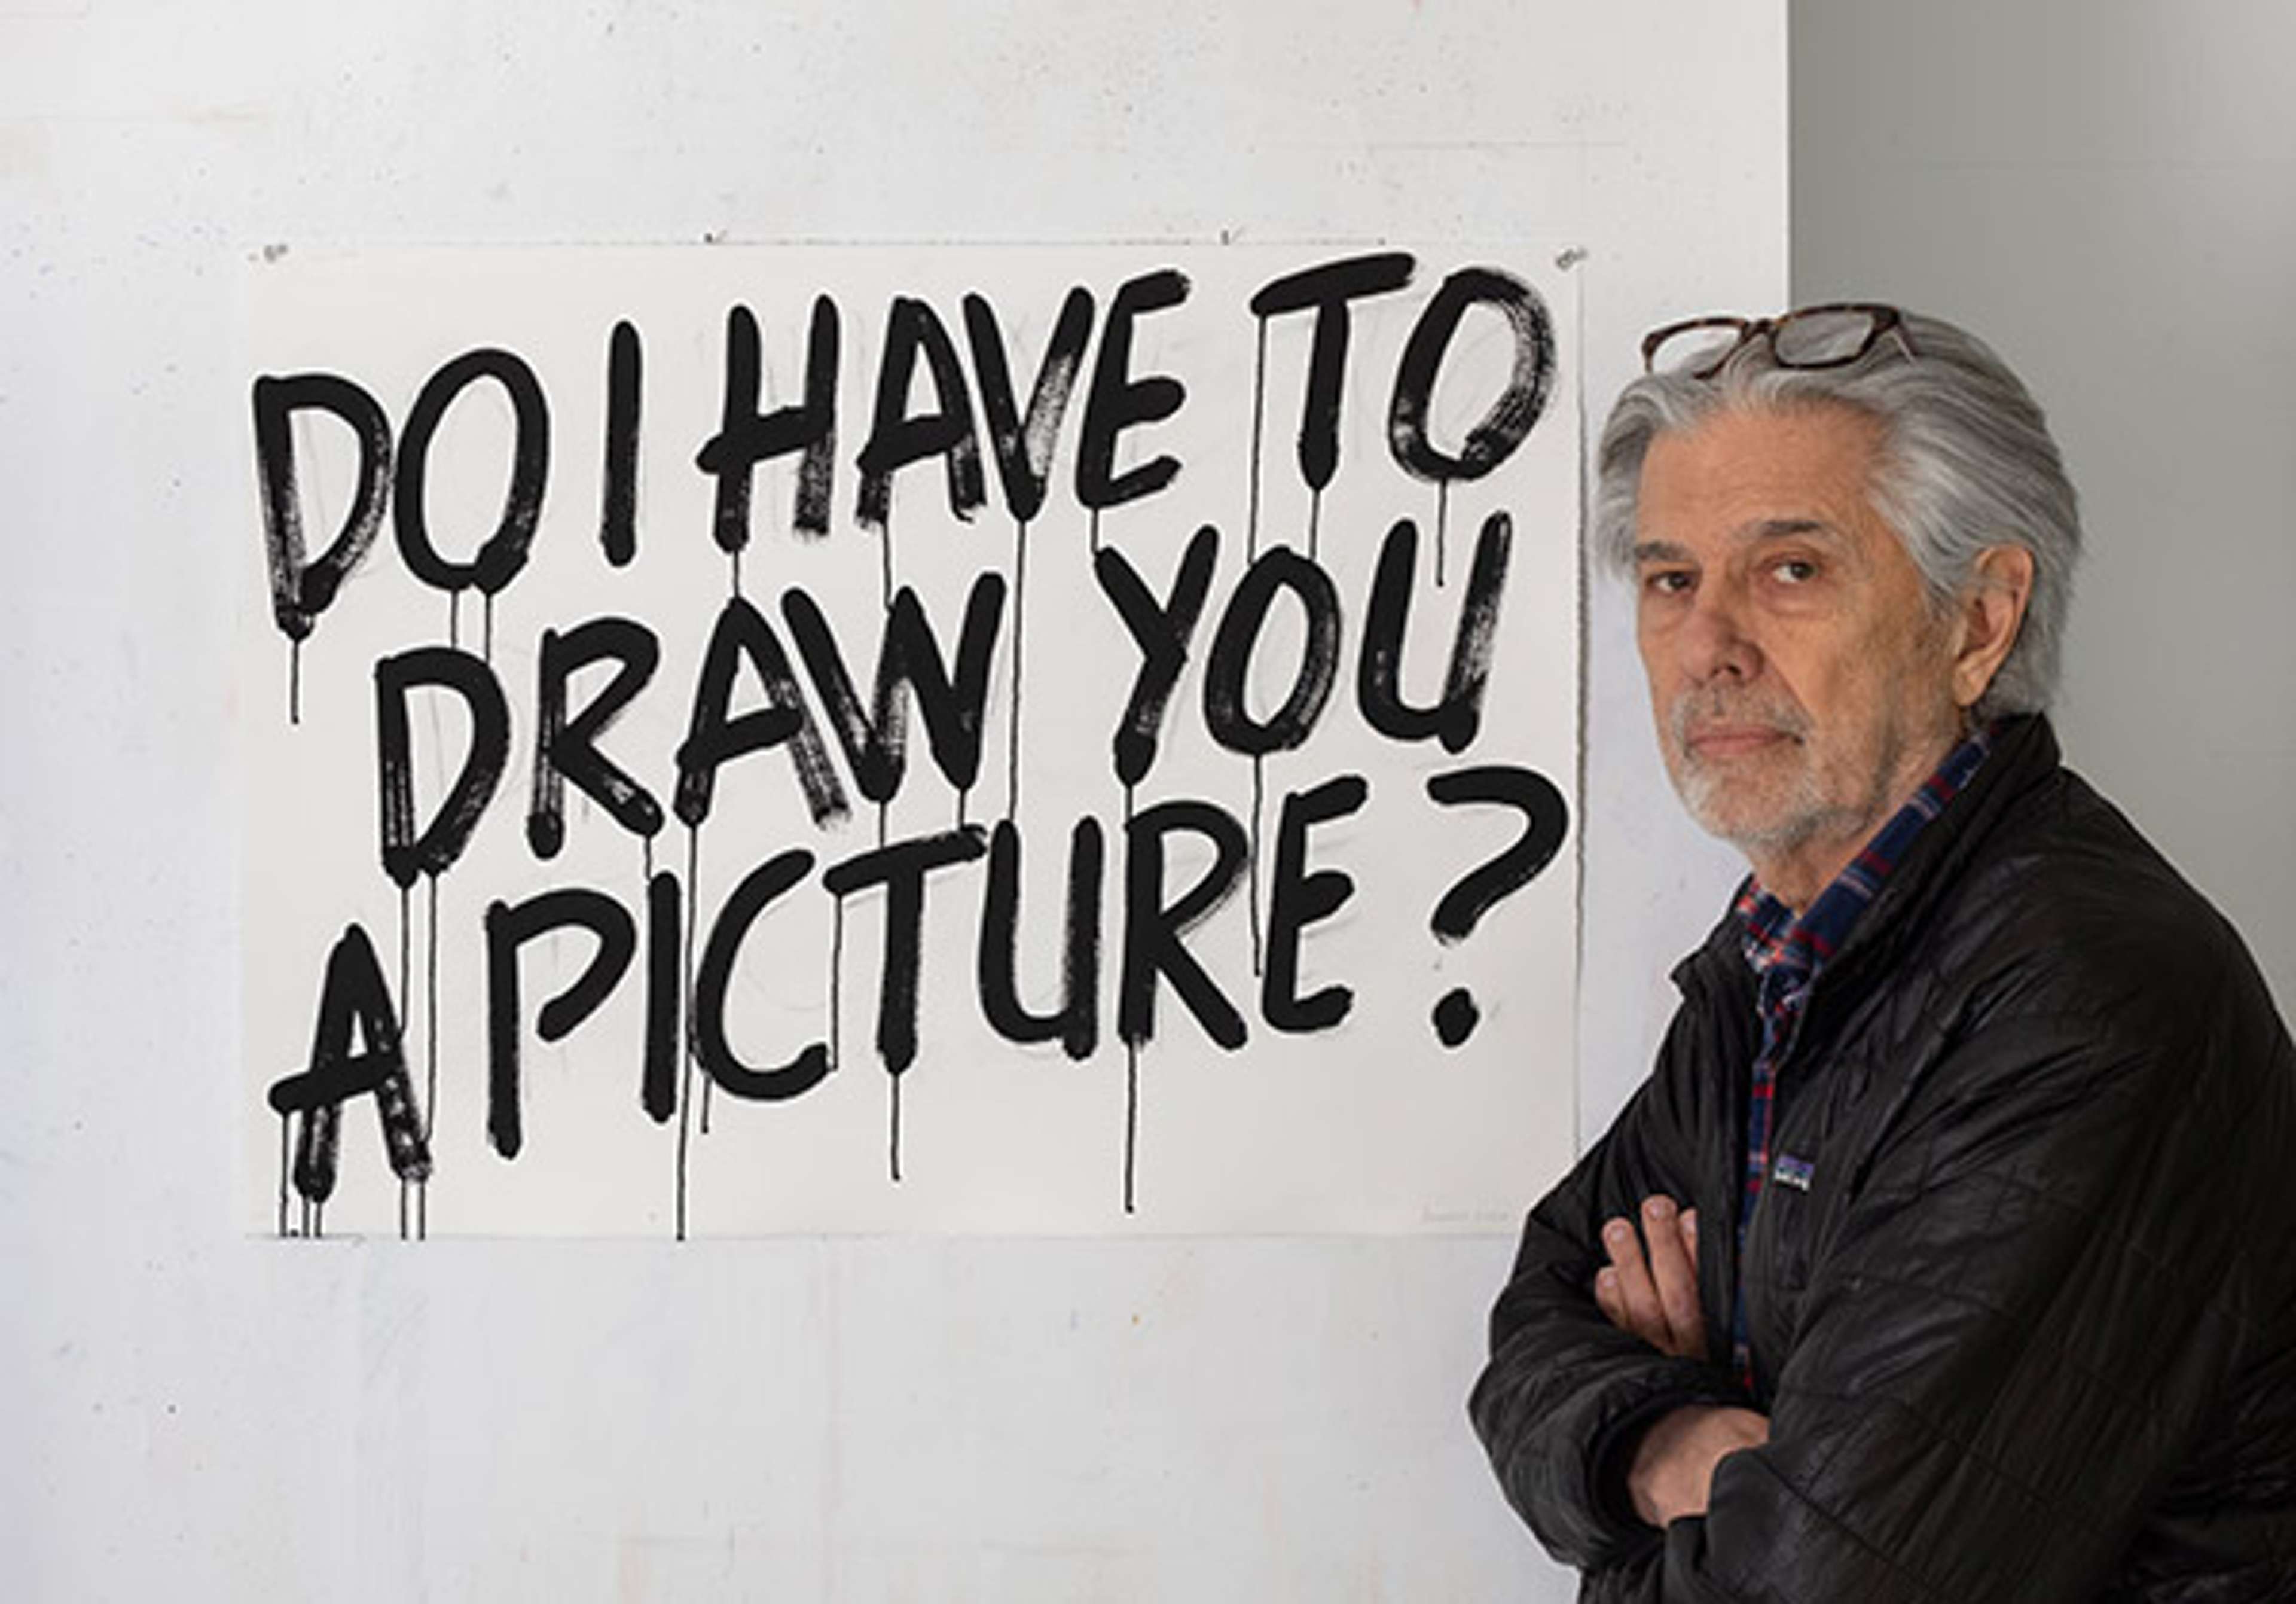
(2025, 755)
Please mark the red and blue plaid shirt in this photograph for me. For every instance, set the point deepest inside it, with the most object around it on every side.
(1786, 954)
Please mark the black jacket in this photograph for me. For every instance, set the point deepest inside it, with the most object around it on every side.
(2030, 1333)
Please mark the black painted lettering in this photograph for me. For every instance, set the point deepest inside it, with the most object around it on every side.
(1162, 630)
(1456, 717)
(354, 1001)
(617, 513)
(509, 929)
(897, 437)
(1023, 442)
(715, 736)
(501, 555)
(1076, 1022)
(901, 869)
(1153, 928)
(757, 890)
(909, 664)
(1328, 287)
(432, 851)
(1228, 672)
(1508, 420)
(299, 590)
(746, 437)
(1298, 899)
(1117, 401)
(567, 748)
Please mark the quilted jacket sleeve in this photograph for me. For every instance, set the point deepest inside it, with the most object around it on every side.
(2015, 1334)
(1565, 1387)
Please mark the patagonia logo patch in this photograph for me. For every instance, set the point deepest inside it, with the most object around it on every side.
(1793, 1171)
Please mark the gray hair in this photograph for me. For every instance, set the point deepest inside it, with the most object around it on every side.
(1966, 463)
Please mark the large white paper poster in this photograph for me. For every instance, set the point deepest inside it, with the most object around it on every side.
(1057, 739)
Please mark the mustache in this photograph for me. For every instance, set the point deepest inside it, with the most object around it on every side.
(1698, 710)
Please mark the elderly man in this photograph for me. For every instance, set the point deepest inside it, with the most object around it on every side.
(1949, 1252)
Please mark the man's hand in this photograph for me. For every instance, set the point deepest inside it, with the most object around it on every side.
(1674, 1463)
(1657, 1301)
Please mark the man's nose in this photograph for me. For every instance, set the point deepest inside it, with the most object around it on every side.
(1715, 641)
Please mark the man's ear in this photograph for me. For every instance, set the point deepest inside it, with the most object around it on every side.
(1992, 610)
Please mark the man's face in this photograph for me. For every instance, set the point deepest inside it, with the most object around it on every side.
(1800, 681)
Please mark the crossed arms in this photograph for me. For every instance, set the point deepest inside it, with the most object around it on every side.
(1971, 1409)
(1671, 1466)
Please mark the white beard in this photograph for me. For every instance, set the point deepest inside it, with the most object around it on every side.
(1714, 798)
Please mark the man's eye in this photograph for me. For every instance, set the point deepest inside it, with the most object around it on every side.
(1667, 581)
(1793, 571)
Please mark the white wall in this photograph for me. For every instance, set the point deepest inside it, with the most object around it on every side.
(2105, 190)
(191, 1413)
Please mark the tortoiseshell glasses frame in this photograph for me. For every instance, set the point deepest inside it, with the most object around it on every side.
(1833, 334)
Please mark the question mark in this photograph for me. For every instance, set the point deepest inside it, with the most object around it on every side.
(1545, 821)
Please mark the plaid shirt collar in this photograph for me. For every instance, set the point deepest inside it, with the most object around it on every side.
(1786, 953)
